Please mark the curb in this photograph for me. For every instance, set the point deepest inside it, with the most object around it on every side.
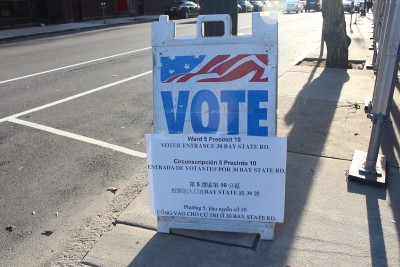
(97, 26)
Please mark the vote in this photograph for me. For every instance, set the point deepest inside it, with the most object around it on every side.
(176, 117)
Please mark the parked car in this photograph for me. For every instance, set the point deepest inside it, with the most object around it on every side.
(183, 10)
(349, 6)
(268, 5)
(258, 6)
(292, 6)
(314, 5)
(239, 8)
(277, 5)
(246, 6)
(304, 3)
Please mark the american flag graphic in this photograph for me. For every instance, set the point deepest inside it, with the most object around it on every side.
(221, 68)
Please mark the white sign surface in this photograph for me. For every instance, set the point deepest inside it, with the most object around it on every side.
(217, 177)
(216, 85)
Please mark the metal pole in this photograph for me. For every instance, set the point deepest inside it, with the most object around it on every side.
(134, 7)
(382, 15)
(103, 7)
(351, 12)
(379, 9)
(322, 45)
(321, 49)
(385, 81)
(370, 167)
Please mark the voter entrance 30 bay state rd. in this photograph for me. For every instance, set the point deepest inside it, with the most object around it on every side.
(214, 162)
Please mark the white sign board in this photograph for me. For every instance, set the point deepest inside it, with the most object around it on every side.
(214, 155)
(217, 177)
(208, 85)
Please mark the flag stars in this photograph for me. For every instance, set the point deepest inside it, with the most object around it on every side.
(171, 65)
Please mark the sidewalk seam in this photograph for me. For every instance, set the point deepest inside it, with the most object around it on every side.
(135, 225)
(319, 156)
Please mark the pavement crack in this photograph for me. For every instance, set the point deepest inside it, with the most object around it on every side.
(319, 156)
(136, 225)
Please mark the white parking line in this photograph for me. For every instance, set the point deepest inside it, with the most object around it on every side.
(79, 137)
(75, 96)
(74, 65)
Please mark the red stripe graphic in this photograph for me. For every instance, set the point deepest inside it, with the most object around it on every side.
(222, 69)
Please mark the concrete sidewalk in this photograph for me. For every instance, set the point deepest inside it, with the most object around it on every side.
(328, 221)
(20, 33)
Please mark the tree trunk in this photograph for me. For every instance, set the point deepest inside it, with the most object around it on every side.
(334, 34)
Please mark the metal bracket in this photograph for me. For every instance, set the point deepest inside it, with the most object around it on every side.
(367, 104)
(357, 172)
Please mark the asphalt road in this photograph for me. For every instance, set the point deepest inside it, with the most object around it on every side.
(73, 115)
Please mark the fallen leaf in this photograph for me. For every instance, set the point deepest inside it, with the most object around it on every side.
(112, 189)
(355, 134)
(10, 228)
(48, 232)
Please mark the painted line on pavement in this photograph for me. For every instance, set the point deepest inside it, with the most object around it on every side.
(75, 96)
(78, 137)
(73, 65)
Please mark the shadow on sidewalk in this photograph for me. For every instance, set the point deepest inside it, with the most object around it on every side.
(390, 143)
(391, 149)
(310, 119)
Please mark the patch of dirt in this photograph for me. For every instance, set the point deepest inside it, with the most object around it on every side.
(310, 62)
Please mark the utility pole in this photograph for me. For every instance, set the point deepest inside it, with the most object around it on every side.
(220, 7)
